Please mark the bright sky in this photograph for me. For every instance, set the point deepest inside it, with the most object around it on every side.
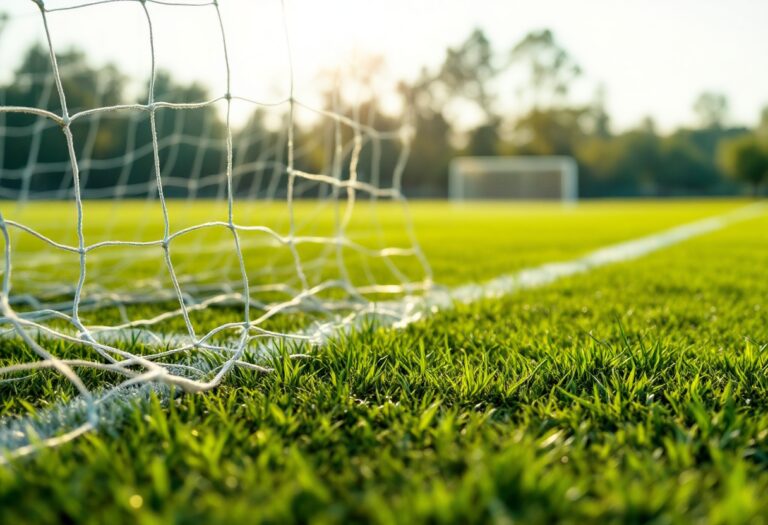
(652, 56)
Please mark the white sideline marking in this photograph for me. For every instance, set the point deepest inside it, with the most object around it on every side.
(413, 309)
(15, 433)
(621, 252)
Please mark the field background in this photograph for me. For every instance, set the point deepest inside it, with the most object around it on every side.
(463, 242)
(624, 394)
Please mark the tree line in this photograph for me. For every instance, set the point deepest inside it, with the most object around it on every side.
(115, 149)
(709, 159)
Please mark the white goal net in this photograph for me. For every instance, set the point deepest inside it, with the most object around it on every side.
(151, 237)
(514, 177)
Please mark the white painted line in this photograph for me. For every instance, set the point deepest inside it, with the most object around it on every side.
(60, 424)
(615, 253)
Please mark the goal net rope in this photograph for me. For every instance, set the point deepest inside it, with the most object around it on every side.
(159, 242)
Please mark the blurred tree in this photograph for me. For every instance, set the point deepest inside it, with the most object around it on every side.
(551, 67)
(684, 168)
(556, 131)
(467, 75)
(601, 121)
(193, 141)
(431, 150)
(622, 165)
(551, 127)
(711, 109)
(485, 139)
(36, 148)
(745, 158)
(468, 70)
(33, 85)
(762, 127)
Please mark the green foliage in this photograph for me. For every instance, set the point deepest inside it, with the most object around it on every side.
(469, 81)
(469, 69)
(625, 164)
(711, 108)
(88, 88)
(558, 131)
(551, 68)
(642, 162)
(746, 158)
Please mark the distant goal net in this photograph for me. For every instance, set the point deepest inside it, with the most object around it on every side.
(169, 233)
(514, 177)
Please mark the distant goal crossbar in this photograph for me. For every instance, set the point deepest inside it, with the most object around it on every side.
(514, 177)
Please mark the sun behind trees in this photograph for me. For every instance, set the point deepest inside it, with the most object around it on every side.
(455, 108)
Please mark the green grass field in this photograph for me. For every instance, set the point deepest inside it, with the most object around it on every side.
(633, 393)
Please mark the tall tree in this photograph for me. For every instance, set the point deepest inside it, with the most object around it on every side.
(551, 69)
(745, 158)
(431, 150)
(711, 109)
(762, 127)
(550, 127)
(465, 80)
(468, 70)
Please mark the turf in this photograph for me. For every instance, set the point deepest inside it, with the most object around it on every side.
(464, 242)
(636, 392)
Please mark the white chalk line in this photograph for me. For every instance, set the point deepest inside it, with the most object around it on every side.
(22, 436)
(615, 253)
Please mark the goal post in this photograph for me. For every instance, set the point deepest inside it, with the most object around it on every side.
(513, 177)
(154, 230)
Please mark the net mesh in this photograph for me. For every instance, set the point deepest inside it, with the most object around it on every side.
(158, 242)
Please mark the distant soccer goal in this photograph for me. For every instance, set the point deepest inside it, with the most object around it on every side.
(516, 177)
